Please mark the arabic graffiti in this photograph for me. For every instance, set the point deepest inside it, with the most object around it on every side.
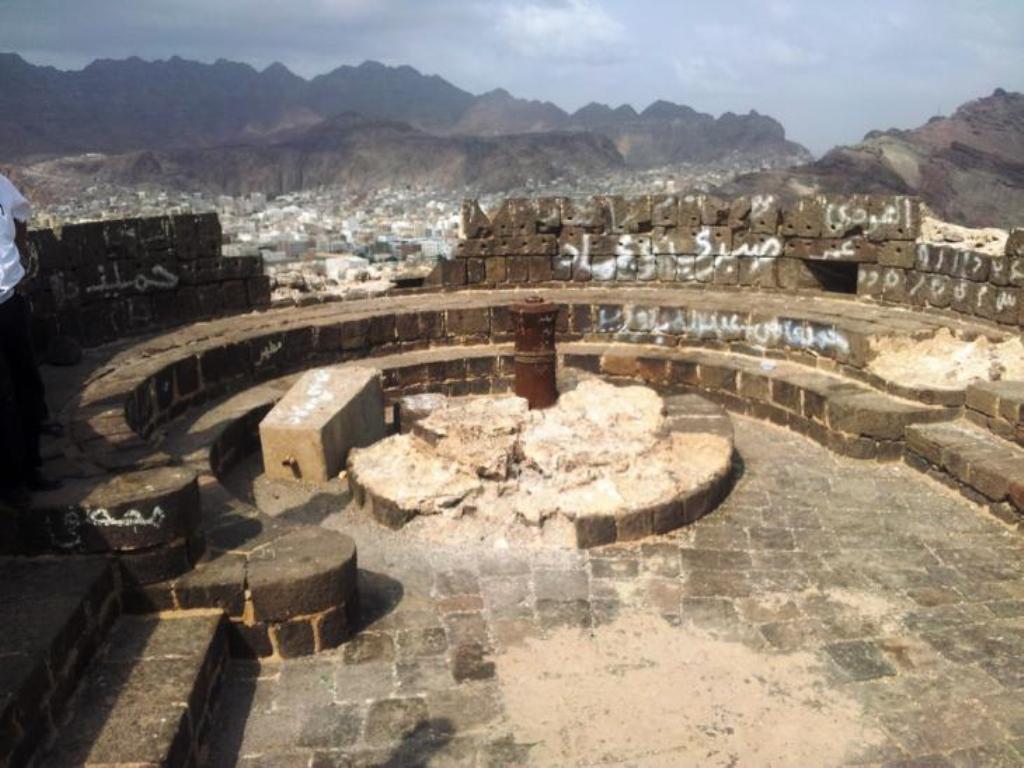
(132, 518)
(842, 217)
(713, 325)
(67, 534)
(634, 257)
(268, 352)
(317, 394)
(160, 278)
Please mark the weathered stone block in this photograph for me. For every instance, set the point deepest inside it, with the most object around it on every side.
(893, 218)
(727, 271)
(964, 297)
(714, 212)
(587, 215)
(664, 211)
(1015, 243)
(329, 411)
(758, 272)
(540, 269)
(804, 219)
(939, 290)
(475, 271)
(516, 217)
(894, 285)
(686, 269)
(765, 214)
(896, 253)
(518, 269)
(793, 274)
(869, 280)
(549, 215)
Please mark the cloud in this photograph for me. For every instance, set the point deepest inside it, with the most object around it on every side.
(562, 29)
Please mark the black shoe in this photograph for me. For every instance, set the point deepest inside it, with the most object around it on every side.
(37, 481)
(17, 498)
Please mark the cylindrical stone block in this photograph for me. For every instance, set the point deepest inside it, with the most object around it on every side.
(535, 359)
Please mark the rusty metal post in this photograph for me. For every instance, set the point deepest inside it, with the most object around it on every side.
(535, 352)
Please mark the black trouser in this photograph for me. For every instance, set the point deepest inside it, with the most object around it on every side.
(22, 401)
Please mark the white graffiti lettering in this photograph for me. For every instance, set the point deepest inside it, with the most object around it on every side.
(132, 518)
(161, 278)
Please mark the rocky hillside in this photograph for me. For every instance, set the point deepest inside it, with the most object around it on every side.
(121, 106)
(968, 167)
(348, 150)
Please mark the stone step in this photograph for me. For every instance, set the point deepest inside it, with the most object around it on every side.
(147, 698)
(999, 407)
(149, 519)
(983, 466)
(54, 613)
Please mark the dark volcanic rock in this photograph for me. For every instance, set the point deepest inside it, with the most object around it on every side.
(969, 167)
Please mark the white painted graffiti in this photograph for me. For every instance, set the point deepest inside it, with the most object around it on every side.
(268, 352)
(954, 262)
(132, 518)
(843, 217)
(316, 395)
(161, 278)
(69, 533)
(845, 251)
(665, 209)
(720, 326)
(760, 205)
(1005, 300)
(770, 247)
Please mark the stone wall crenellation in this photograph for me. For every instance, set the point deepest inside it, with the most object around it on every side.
(100, 281)
(861, 244)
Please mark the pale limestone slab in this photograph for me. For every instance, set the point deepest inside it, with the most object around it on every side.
(309, 433)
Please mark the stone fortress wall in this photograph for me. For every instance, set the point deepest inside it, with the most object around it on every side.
(865, 245)
(100, 281)
(771, 311)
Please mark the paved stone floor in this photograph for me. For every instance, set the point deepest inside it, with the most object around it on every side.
(831, 612)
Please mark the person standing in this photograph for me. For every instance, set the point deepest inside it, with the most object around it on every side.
(22, 400)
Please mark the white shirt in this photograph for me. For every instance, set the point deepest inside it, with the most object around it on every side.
(13, 206)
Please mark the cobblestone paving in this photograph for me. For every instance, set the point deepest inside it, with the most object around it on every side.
(907, 600)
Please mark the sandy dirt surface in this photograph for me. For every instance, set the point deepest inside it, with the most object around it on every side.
(640, 692)
(496, 470)
(990, 240)
(946, 362)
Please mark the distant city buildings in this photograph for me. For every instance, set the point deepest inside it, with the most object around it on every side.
(387, 226)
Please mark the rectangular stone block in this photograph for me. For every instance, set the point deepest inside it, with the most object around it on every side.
(758, 272)
(473, 221)
(869, 280)
(895, 253)
(664, 211)
(804, 219)
(965, 296)
(689, 212)
(1015, 243)
(496, 270)
(309, 433)
(765, 214)
(939, 290)
(893, 218)
(894, 285)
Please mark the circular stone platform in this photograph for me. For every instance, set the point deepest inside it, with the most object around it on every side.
(606, 463)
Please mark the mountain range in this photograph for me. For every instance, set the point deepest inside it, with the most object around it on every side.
(968, 167)
(129, 105)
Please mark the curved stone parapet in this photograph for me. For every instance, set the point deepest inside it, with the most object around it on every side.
(804, 365)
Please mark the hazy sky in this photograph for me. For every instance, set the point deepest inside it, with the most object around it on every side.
(830, 71)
